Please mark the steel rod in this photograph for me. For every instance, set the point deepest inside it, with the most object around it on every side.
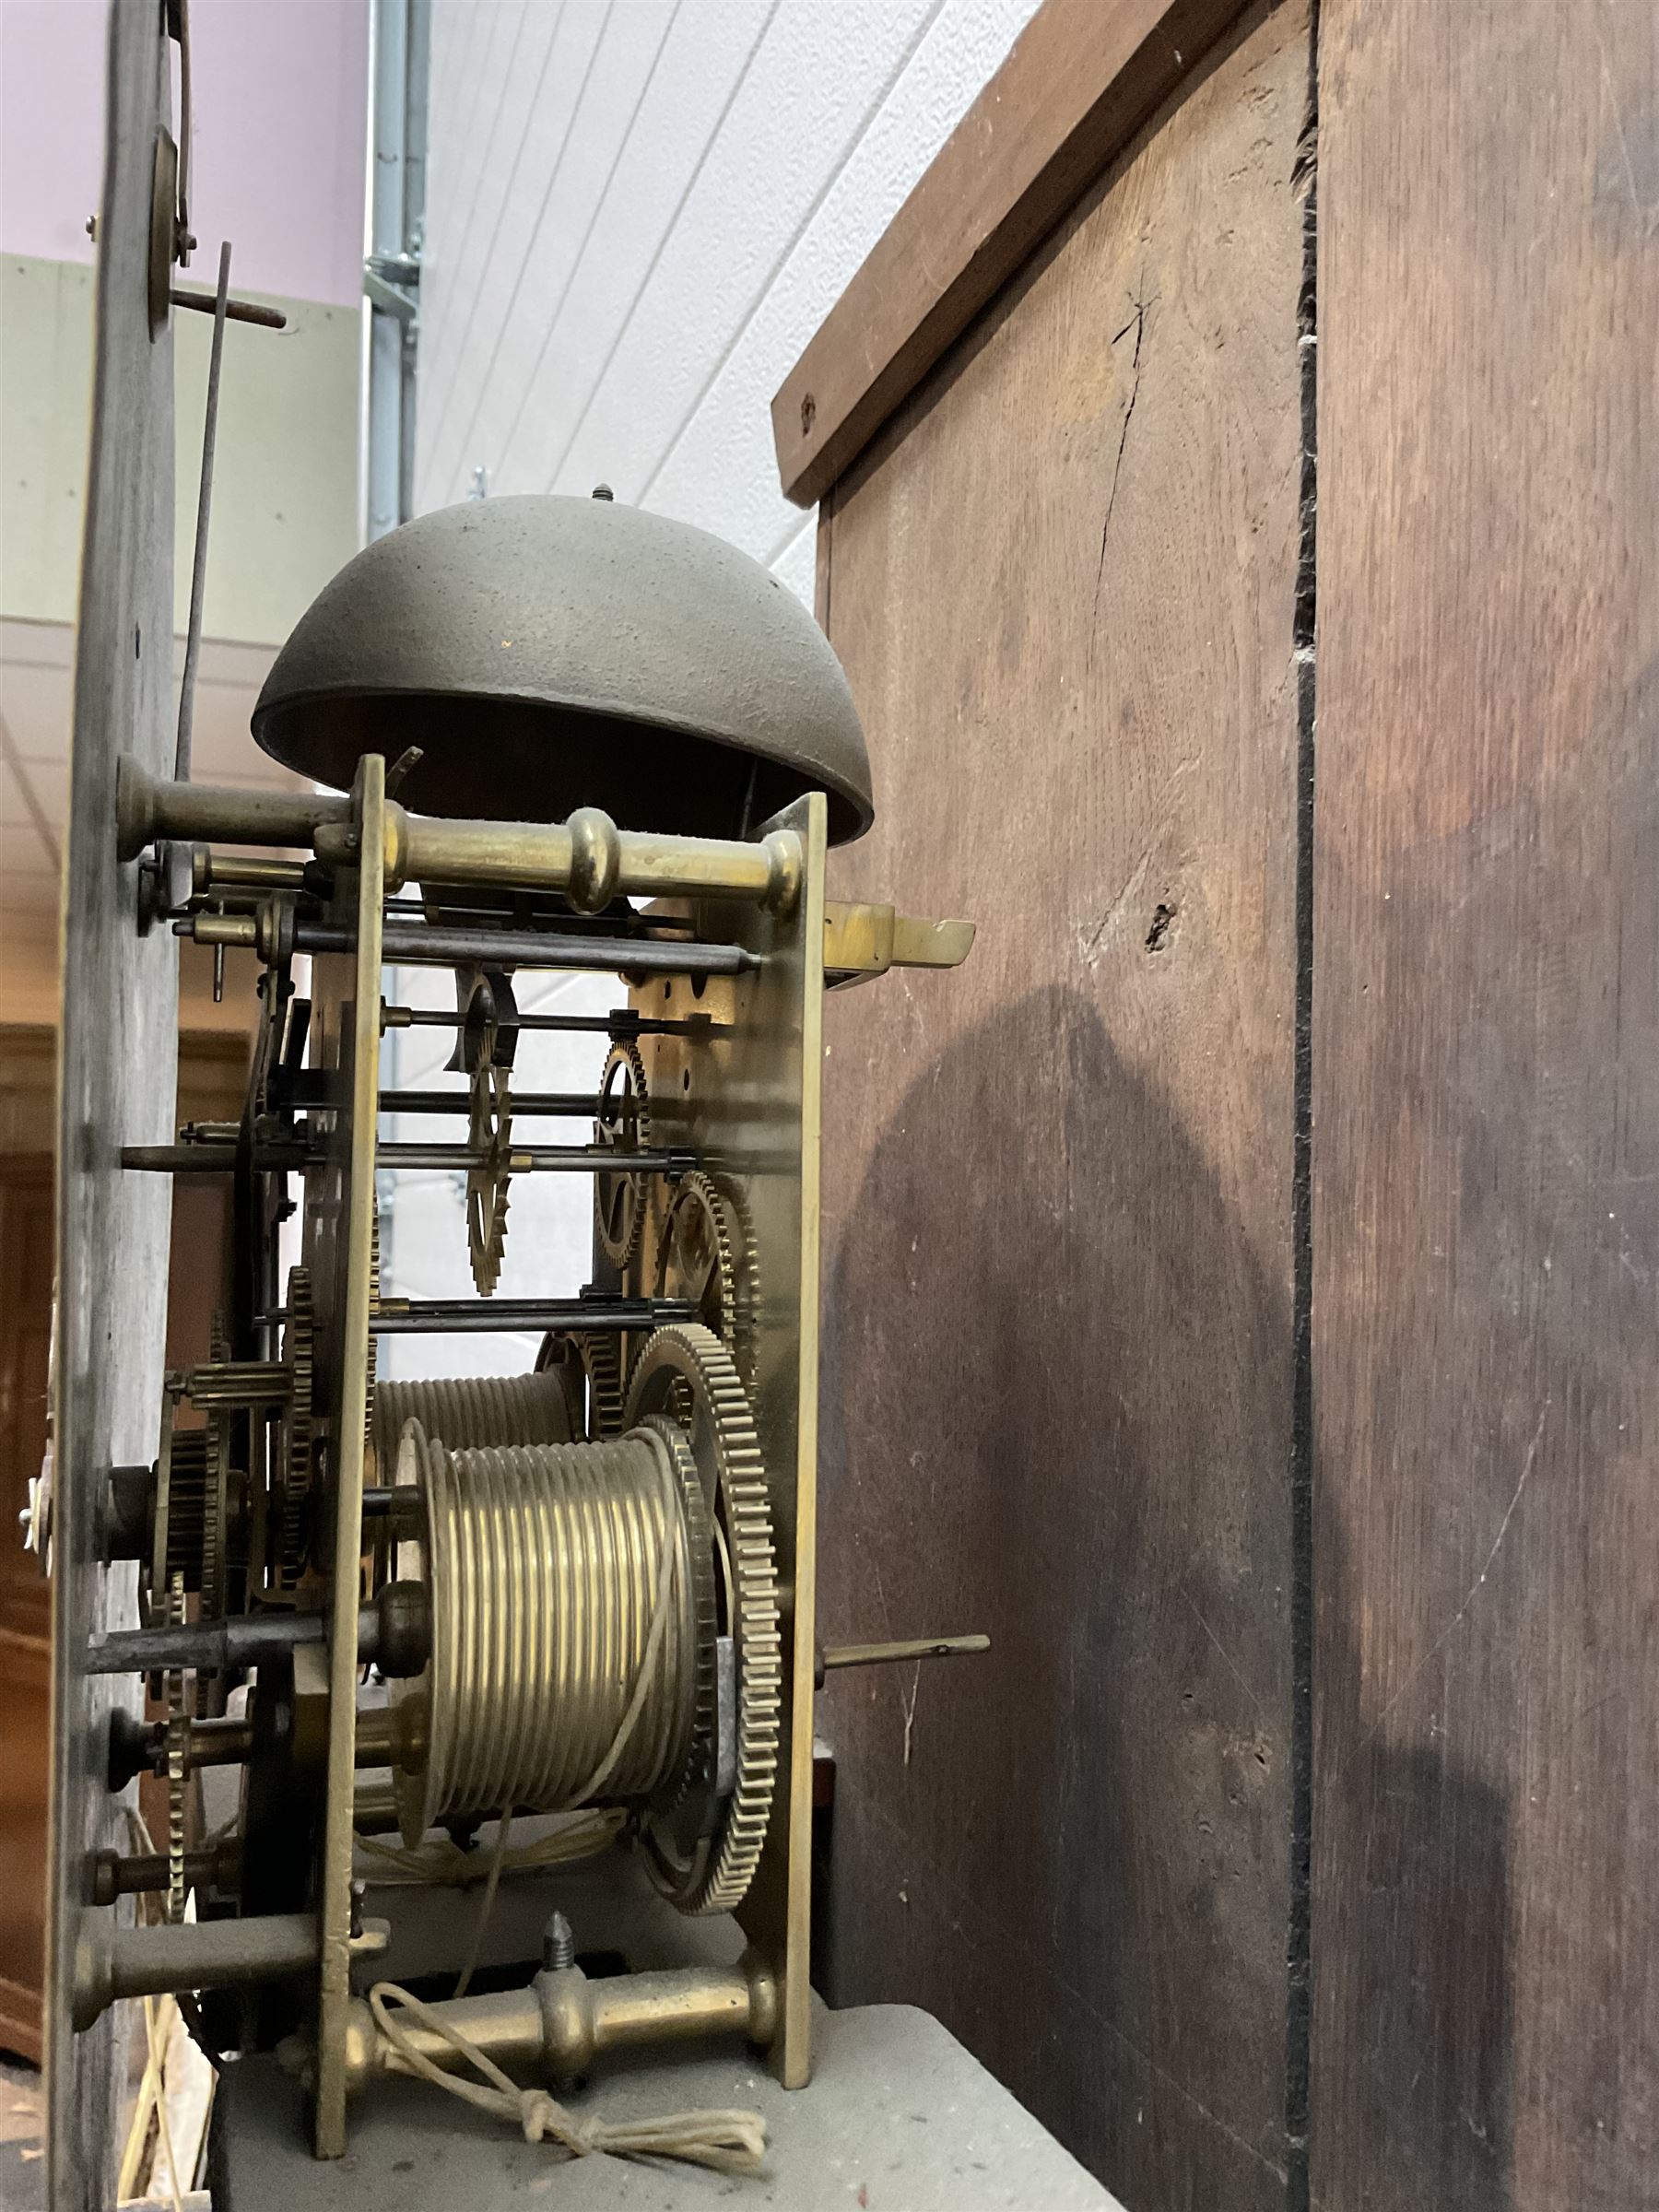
(450, 911)
(622, 1023)
(604, 1317)
(522, 1159)
(236, 311)
(578, 1105)
(415, 943)
(198, 572)
(214, 1159)
(538, 1160)
(389, 1633)
(206, 1644)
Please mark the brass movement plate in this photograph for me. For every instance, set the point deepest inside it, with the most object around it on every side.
(748, 1100)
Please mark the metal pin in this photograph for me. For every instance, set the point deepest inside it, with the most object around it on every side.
(198, 572)
(236, 311)
(892, 1654)
(411, 757)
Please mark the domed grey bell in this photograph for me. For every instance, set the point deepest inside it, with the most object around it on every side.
(547, 653)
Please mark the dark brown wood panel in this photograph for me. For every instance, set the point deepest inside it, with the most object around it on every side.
(1082, 78)
(1487, 1109)
(25, 1264)
(212, 1079)
(24, 1703)
(1058, 1277)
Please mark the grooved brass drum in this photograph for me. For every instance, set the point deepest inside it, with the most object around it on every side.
(571, 1622)
(466, 1410)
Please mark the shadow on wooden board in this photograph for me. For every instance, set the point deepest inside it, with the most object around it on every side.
(1064, 1849)
(1057, 1848)
(1058, 1185)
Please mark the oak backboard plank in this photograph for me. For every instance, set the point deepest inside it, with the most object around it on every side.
(1487, 1109)
(117, 1062)
(1057, 1182)
(1082, 78)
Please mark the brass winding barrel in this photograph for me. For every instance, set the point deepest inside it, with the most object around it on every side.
(463, 1411)
(544, 1566)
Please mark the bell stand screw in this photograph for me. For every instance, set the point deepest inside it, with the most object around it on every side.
(559, 1944)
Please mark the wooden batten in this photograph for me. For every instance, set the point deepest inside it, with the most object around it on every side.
(1083, 77)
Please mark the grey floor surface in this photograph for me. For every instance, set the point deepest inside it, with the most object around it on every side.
(22, 2167)
(899, 2118)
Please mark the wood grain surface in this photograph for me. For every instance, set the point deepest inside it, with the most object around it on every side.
(1487, 1109)
(1058, 1278)
(1082, 78)
(118, 1053)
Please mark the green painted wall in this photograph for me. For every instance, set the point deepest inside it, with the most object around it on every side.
(285, 512)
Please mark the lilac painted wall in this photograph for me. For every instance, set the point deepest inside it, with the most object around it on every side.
(282, 92)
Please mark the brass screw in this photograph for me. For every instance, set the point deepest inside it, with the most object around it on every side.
(559, 1944)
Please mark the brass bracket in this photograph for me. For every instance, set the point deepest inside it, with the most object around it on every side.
(861, 941)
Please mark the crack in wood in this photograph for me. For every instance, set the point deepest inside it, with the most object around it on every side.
(1136, 322)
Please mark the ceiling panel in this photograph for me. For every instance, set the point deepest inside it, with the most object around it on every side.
(24, 847)
(36, 695)
(34, 700)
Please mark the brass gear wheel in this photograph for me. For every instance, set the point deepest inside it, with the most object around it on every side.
(374, 1300)
(178, 1744)
(601, 1357)
(622, 1124)
(215, 1515)
(705, 1256)
(489, 1133)
(208, 1571)
(687, 1375)
(179, 1529)
(561, 1355)
(293, 1534)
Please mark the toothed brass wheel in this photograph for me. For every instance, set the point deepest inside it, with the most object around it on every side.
(601, 1357)
(704, 1257)
(685, 1376)
(489, 1135)
(177, 1742)
(622, 1124)
(293, 1503)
